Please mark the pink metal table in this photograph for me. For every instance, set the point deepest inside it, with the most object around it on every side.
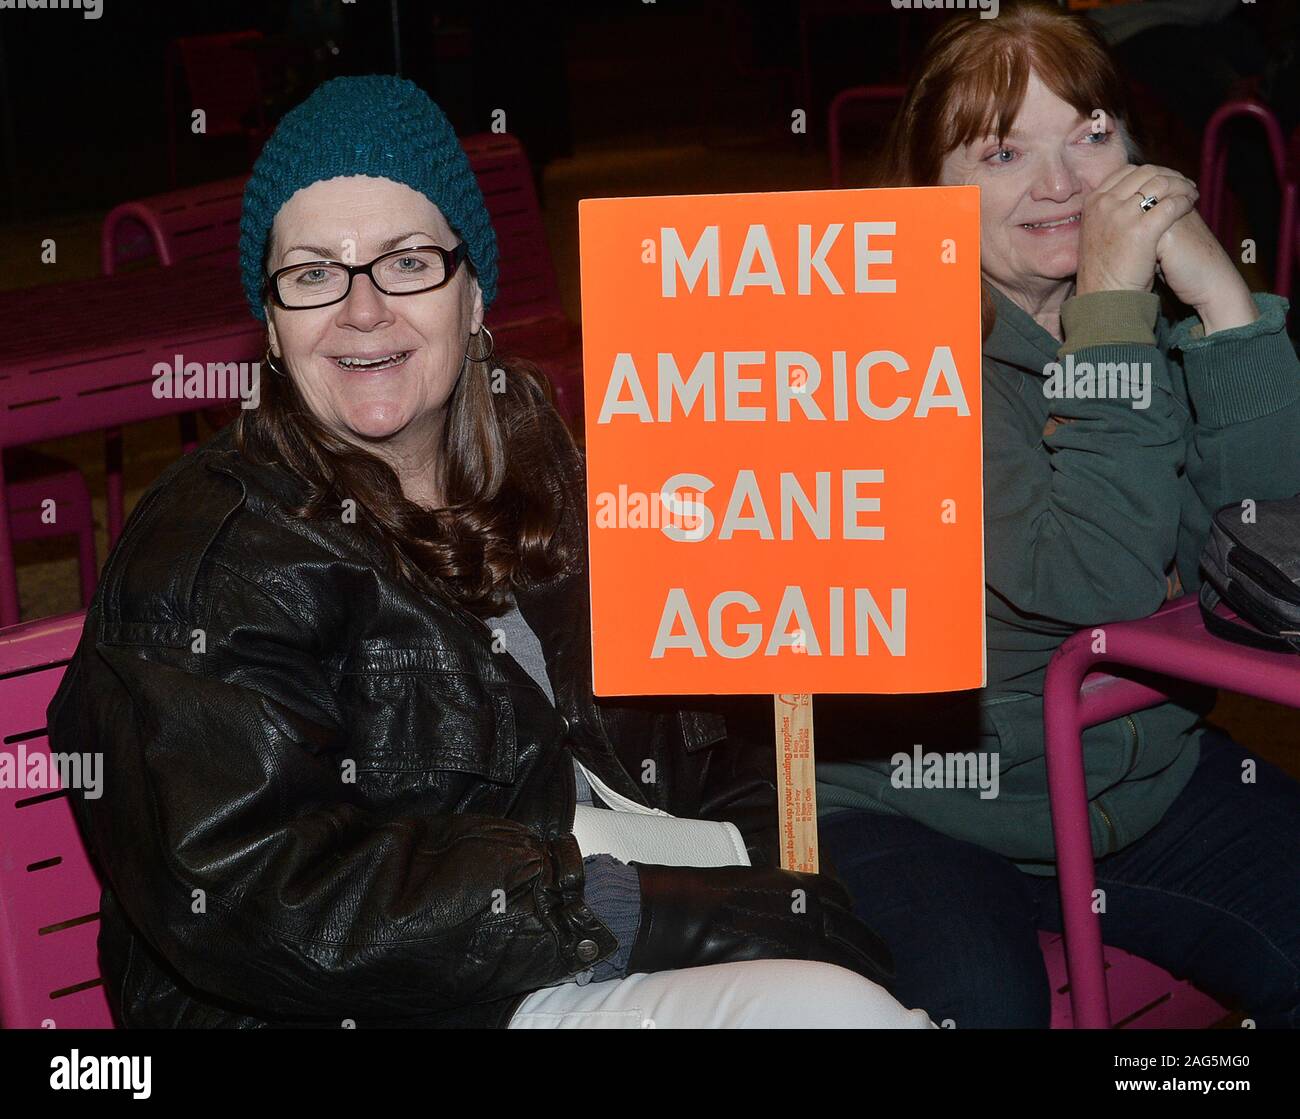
(1170, 646)
(79, 356)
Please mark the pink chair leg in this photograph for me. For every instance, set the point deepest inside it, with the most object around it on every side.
(1074, 855)
(113, 483)
(8, 573)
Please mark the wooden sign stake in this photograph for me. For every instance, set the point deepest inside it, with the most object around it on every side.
(796, 782)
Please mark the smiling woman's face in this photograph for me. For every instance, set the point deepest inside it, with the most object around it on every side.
(1032, 188)
(398, 407)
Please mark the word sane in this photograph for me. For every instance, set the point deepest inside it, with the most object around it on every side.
(692, 521)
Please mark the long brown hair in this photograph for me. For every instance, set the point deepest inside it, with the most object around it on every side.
(511, 475)
(971, 83)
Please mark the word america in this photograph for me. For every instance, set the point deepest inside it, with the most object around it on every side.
(797, 380)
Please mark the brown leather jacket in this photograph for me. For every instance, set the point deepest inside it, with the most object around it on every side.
(327, 800)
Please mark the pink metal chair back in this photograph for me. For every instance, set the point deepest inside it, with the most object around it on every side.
(840, 106)
(1213, 204)
(199, 224)
(527, 289)
(200, 221)
(49, 894)
(1170, 646)
(30, 479)
(527, 316)
(223, 78)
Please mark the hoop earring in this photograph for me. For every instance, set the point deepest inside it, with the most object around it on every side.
(270, 364)
(491, 344)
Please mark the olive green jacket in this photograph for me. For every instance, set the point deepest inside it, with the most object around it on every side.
(1092, 520)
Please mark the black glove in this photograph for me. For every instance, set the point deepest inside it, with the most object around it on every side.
(693, 916)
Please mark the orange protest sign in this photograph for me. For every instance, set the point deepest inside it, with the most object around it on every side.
(783, 438)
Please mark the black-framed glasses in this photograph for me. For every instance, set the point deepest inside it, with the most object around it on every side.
(319, 283)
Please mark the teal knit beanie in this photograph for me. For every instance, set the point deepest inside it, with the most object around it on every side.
(378, 125)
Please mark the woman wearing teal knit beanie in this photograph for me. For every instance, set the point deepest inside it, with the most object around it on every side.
(339, 668)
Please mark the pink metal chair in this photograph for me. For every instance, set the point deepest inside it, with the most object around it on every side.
(1171, 646)
(1214, 207)
(874, 95)
(32, 479)
(76, 357)
(527, 316)
(200, 222)
(49, 895)
(222, 77)
(1146, 997)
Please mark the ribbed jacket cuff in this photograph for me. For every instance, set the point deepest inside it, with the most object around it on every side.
(1243, 373)
(1102, 317)
(613, 891)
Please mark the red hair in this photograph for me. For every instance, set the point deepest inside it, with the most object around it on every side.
(972, 81)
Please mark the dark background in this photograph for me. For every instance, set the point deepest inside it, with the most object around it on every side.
(86, 115)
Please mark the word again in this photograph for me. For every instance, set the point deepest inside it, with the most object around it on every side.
(865, 614)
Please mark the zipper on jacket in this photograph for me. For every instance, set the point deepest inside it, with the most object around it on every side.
(572, 790)
(1101, 808)
(1110, 828)
(1133, 754)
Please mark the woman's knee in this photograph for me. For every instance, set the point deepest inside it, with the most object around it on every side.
(958, 918)
(801, 994)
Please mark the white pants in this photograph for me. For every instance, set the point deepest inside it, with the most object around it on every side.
(753, 994)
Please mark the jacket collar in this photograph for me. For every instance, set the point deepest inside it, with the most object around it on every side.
(278, 482)
(1017, 339)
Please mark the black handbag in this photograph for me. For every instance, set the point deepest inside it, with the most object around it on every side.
(1251, 562)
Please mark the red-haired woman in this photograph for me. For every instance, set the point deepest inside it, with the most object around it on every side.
(1096, 508)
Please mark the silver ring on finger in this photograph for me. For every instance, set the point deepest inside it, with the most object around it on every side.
(1149, 202)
